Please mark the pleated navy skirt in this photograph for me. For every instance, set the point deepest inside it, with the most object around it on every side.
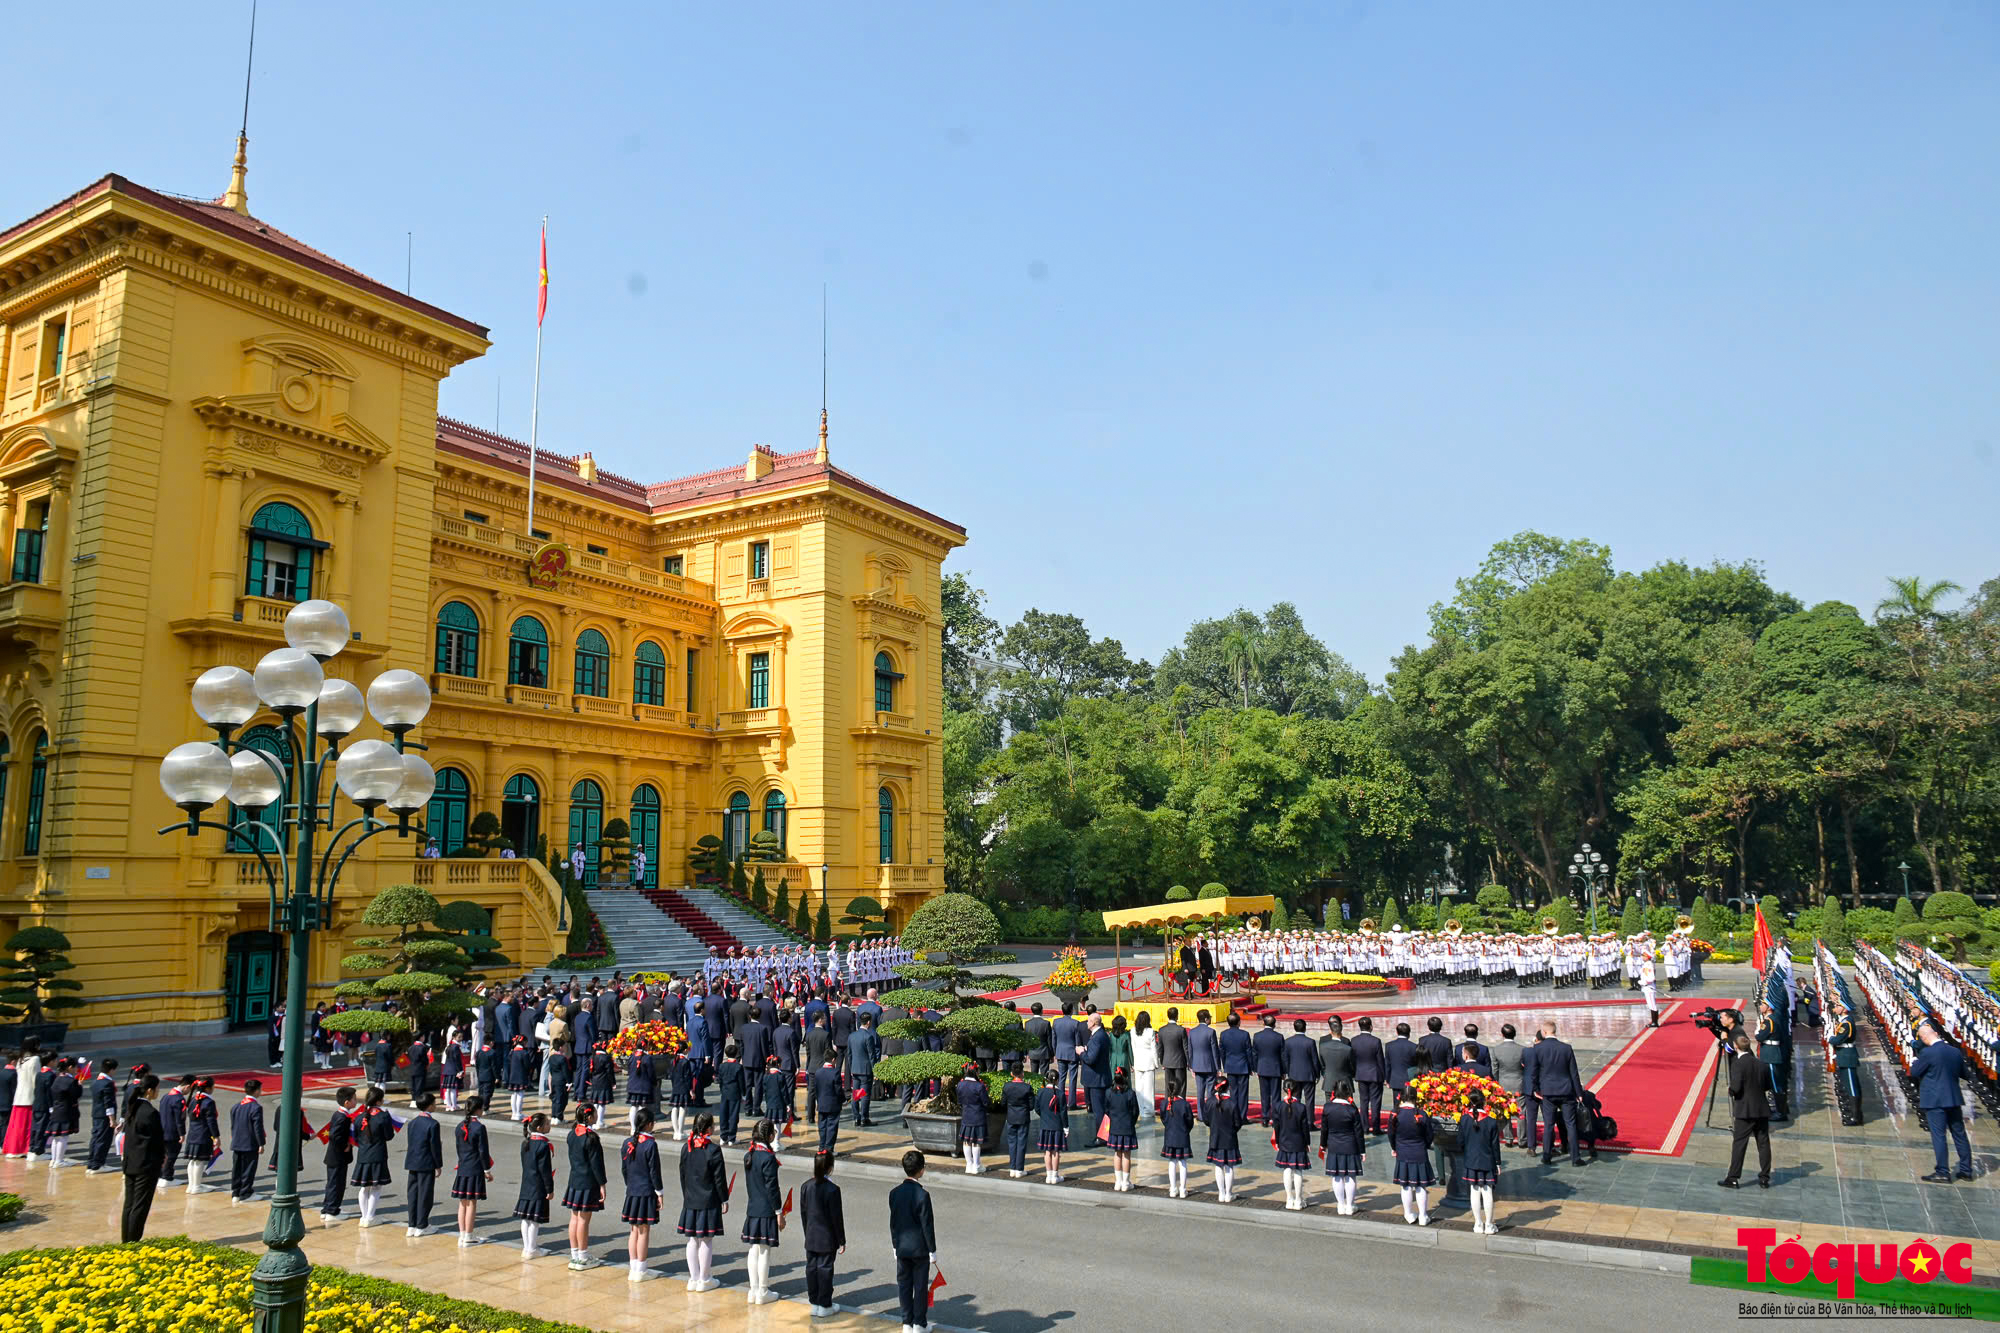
(700, 1222)
(1415, 1173)
(1295, 1161)
(1345, 1164)
(760, 1231)
(468, 1185)
(584, 1198)
(641, 1209)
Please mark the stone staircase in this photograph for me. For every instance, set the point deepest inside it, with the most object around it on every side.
(646, 938)
(754, 932)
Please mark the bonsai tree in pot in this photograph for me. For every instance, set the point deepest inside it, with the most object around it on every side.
(865, 915)
(32, 984)
(614, 851)
(706, 859)
(951, 934)
(423, 966)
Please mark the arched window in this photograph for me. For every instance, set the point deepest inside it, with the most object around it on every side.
(282, 550)
(593, 664)
(457, 640)
(646, 828)
(774, 816)
(521, 815)
(886, 677)
(885, 824)
(649, 676)
(736, 827)
(445, 819)
(274, 742)
(38, 782)
(528, 654)
(586, 826)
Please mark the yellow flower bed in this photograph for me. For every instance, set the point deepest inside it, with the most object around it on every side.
(175, 1287)
(1320, 978)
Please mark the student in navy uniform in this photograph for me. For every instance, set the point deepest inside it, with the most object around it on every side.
(642, 1088)
(486, 1070)
(103, 1116)
(1371, 1067)
(777, 1090)
(382, 1061)
(339, 1155)
(639, 1163)
(452, 1063)
(1121, 1110)
(420, 1069)
(1479, 1133)
(520, 1076)
(603, 1074)
(538, 1182)
(1410, 1137)
(557, 1065)
(145, 1146)
(246, 1141)
(913, 1237)
(204, 1135)
(760, 1210)
(971, 1094)
(1238, 1058)
(825, 1233)
(38, 1117)
(704, 1201)
(729, 1088)
(1224, 1154)
(65, 1111)
(473, 1169)
(173, 1126)
(824, 1093)
(423, 1158)
(682, 1091)
(373, 1128)
(585, 1193)
(1054, 1136)
(1291, 1141)
(1343, 1145)
(1017, 1105)
(1177, 1116)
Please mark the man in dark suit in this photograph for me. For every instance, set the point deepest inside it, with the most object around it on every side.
(1204, 1056)
(840, 1022)
(913, 1237)
(1093, 1061)
(818, 1042)
(1204, 958)
(1936, 1071)
(1040, 1034)
(1557, 1085)
(1336, 1057)
(1174, 1053)
(1371, 1066)
(1472, 1038)
(1237, 1059)
(1187, 966)
(754, 1039)
(714, 1021)
(739, 1012)
(864, 1050)
(605, 1012)
(1301, 1062)
(1531, 1111)
(1067, 1034)
(1749, 1110)
(1400, 1055)
(145, 1154)
(1267, 1049)
(1435, 1046)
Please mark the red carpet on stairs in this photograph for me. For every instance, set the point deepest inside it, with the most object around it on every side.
(1657, 1087)
(691, 918)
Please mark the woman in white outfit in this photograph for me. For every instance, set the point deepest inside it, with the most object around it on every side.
(1145, 1059)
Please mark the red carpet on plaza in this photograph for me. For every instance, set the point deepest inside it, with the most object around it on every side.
(1037, 987)
(1657, 1087)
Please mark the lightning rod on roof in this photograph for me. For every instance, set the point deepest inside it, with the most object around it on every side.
(820, 456)
(237, 197)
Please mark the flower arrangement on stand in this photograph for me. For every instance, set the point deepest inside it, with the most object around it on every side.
(1072, 971)
(1700, 948)
(1447, 1095)
(653, 1038)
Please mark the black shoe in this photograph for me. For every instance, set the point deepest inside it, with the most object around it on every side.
(1966, 1174)
(1763, 1182)
(1730, 1184)
(1938, 1178)
(1548, 1161)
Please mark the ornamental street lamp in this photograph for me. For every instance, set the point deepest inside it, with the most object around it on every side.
(374, 775)
(1904, 866)
(1588, 869)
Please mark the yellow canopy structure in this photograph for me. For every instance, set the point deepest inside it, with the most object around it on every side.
(1198, 909)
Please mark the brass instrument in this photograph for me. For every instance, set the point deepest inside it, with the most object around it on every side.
(1367, 926)
(1550, 927)
(1454, 927)
(1683, 923)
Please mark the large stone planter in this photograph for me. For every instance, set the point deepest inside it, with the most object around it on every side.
(1071, 994)
(1448, 1161)
(934, 1133)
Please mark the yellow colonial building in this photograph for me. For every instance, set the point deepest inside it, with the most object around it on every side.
(203, 420)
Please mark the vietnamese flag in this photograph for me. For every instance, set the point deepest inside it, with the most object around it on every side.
(730, 1193)
(1760, 940)
(786, 1211)
(936, 1282)
(542, 290)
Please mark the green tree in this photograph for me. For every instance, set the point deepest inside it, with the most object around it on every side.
(1906, 912)
(32, 984)
(422, 966)
(1179, 893)
(782, 909)
(1633, 920)
(1833, 925)
(760, 896)
(1280, 918)
(706, 858)
(1392, 917)
(1212, 890)
(1272, 662)
(1496, 898)
(802, 923)
(483, 837)
(969, 637)
(614, 848)
(739, 881)
(1915, 598)
(865, 915)
(823, 923)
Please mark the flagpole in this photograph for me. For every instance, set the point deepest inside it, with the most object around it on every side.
(535, 400)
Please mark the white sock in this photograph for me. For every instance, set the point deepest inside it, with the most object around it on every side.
(1423, 1204)
(693, 1260)
(706, 1250)
(632, 1121)
(515, 1100)
(1409, 1204)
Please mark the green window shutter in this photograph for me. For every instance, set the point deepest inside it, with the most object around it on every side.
(253, 575)
(442, 663)
(302, 590)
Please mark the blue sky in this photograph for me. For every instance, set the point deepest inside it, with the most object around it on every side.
(1177, 307)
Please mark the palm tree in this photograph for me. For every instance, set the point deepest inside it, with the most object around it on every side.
(1243, 650)
(1914, 597)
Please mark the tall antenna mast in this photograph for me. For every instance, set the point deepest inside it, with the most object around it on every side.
(236, 196)
(820, 456)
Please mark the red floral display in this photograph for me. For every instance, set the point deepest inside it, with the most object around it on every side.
(1448, 1095)
(654, 1038)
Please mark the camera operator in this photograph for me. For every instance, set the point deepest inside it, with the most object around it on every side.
(1749, 1109)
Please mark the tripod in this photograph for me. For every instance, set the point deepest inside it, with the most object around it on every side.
(1715, 1081)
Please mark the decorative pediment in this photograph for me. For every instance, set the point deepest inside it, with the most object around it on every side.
(265, 415)
(755, 625)
(33, 451)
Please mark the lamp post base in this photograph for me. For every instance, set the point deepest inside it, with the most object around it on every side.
(278, 1284)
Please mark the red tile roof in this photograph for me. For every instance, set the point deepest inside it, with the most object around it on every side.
(250, 230)
(660, 497)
